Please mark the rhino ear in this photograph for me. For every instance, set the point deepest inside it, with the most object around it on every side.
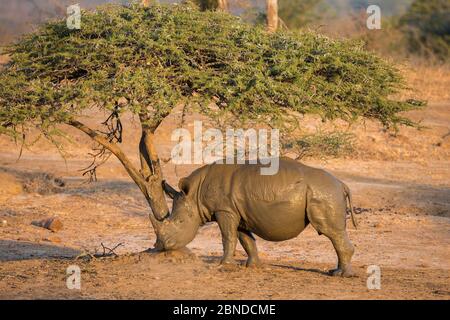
(171, 192)
(184, 185)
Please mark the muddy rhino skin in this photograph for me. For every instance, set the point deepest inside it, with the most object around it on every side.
(275, 207)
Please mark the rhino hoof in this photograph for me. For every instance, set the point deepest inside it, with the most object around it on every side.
(345, 273)
(253, 264)
(227, 265)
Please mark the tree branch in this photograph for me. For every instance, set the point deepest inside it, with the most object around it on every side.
(148, 180)
(128, 165)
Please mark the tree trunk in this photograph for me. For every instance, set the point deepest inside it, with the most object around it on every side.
(272, 15)
(151, 170)
(222, 5)
(149, 178)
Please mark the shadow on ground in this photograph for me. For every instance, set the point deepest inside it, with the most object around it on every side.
(11, 250)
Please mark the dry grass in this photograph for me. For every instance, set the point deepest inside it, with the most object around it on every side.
(427, 82)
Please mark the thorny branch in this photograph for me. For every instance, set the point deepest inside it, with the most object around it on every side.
(114, 126)
(110, 251)
(107, 252)
(101, 154)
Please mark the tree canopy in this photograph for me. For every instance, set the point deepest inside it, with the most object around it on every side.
(158, 56)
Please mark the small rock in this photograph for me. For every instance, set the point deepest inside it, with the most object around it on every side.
(53, 239)
(376, 225)
(52, 224)
(4, 223)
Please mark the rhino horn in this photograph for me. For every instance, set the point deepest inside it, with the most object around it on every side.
(155, 222)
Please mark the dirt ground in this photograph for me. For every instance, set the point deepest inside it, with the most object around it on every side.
(401, 190)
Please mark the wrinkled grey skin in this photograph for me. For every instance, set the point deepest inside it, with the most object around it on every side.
(276, 208)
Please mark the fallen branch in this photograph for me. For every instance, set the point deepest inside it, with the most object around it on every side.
(107, 252)
(110, 251)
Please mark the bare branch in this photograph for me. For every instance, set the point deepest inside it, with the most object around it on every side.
(113, 134)
(110, 251)
(111, 146)
(149, 179)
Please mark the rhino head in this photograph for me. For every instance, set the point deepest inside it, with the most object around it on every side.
(180, 227)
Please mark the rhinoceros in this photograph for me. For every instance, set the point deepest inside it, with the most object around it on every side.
(274, 207)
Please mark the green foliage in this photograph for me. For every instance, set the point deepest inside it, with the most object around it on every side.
(157, 57)
(324, 145)
(206, 4)
(427, 26)
(298, 13)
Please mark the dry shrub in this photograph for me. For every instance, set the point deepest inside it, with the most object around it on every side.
(427, 81)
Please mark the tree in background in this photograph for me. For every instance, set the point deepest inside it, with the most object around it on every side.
(220, 5)
(272, 15)
(298, 13)
(427, 27)
(293, 14)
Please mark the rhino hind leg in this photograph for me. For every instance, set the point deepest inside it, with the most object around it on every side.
(344, 250)
(249, 244)
(331, 222)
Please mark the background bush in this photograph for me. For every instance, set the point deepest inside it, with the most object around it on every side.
(427, 26)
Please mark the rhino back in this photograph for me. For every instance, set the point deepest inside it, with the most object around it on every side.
(273, 207)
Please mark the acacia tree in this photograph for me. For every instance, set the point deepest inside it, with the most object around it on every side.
(298, 13)
(148, 60)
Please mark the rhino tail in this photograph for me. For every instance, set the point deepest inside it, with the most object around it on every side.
(348, 195)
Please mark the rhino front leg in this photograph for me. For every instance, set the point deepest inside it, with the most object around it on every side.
(228, 224)
(249, 244)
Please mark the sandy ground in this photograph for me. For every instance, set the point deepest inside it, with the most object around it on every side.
(401, 192)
